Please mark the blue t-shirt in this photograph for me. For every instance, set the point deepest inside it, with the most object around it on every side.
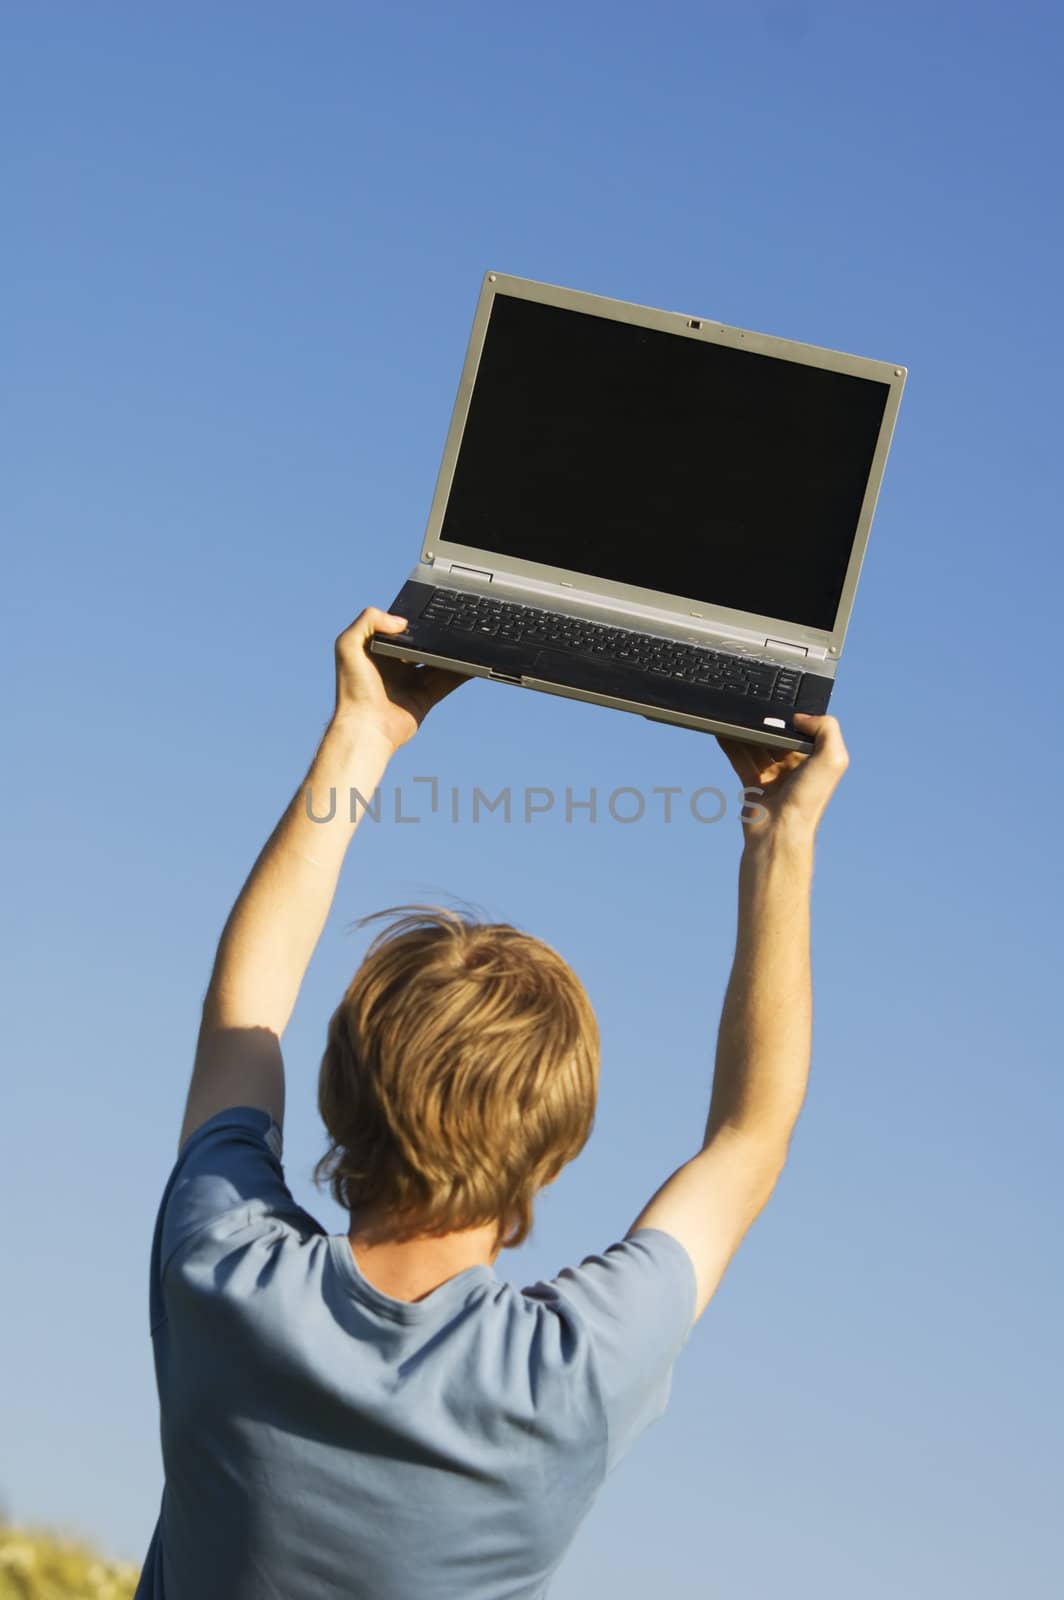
(323, 1440)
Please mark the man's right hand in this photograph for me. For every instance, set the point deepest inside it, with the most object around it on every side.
(796, 787)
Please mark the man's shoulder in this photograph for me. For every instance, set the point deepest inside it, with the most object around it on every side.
(226, 1193)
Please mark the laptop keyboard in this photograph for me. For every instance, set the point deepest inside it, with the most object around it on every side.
(462, 612)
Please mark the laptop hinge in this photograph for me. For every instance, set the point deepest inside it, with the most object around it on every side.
(789, 649)
(468, 572)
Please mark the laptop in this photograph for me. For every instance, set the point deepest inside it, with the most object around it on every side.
(650, 511)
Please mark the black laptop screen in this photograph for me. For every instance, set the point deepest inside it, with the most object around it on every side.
(625, 453)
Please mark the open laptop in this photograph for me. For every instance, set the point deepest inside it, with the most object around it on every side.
(650, 511)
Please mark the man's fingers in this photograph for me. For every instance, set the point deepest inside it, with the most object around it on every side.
(822, 770)
(384, 622)
(828, 747)
(435, 682)
(754, 764)
(741, 758)
(372, 620)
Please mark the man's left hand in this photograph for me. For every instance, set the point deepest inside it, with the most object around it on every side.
(390, 695)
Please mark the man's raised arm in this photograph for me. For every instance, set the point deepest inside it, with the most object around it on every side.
(275, 924)
(764, 1041)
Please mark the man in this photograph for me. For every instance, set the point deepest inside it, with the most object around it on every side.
(375, 1414)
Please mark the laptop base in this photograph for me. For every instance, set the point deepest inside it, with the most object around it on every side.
(601, 681)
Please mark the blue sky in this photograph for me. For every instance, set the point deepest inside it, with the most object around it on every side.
(242, 250)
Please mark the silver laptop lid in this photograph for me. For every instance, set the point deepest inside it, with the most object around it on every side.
(663, 461)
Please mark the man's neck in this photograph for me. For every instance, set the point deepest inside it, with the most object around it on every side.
(412, 1268)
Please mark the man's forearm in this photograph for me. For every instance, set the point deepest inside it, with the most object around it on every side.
(278, 917)
(765, 1038)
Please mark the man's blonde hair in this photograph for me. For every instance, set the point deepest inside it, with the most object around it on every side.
(460, 1075)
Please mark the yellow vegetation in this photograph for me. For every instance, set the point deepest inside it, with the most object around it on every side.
(38, 1565)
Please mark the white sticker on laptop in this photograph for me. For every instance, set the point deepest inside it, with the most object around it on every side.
(773, 722)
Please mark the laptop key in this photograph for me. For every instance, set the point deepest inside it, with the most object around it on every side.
(761, 678)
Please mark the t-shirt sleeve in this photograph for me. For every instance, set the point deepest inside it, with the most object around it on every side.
(636, 1302)
(232, 1162)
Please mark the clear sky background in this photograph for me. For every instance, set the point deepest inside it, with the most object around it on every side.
(242, 246)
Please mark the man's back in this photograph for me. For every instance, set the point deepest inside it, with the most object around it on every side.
(321, 1438)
